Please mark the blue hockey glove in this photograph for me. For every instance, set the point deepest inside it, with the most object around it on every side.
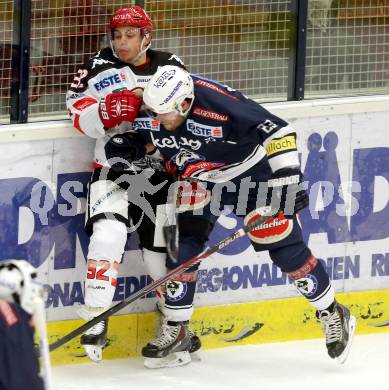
(286, 191)
(123, 149)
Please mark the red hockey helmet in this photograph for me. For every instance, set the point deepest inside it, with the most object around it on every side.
(132, 16)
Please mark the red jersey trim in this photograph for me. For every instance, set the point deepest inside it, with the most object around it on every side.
(214, 87)
(76, 123)
(8, 313)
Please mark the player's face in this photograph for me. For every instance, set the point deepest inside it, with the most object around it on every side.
(127, 44)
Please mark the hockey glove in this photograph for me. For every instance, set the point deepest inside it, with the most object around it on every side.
(118, 107)
(123, 149)
(185, 163)
(188, 170)
(286, 191)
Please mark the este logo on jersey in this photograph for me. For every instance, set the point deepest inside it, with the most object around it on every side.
(204, 130)
(108, 81)
(146, 124)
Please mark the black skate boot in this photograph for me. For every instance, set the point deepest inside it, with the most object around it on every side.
(170, 348)
(94, 340)
(339, 328)
(195, 342)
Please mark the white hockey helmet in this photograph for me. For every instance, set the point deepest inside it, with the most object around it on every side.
(18, 284)
(167, 89)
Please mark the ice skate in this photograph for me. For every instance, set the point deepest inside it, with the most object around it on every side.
(339, 328)
(170, 348)
(94, 340)
(195, 342)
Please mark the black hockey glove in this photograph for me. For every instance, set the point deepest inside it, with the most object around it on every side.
(123, 149)
(286, 191)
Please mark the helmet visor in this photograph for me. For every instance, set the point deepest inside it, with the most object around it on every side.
(153, 114)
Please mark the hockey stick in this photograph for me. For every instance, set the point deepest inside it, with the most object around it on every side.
(40, 323)
(174, 204)
(170, 231)
(380, 324)
(170, 275)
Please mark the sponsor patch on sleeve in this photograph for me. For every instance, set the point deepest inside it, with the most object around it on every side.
(83, 103)
(281, 145)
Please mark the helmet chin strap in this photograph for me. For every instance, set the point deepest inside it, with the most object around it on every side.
(141, 52)
(186, 113)
(113, 49)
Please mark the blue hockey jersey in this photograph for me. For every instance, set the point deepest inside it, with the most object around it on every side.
(223, 136)
(19, 366)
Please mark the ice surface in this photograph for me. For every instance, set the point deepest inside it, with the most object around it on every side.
(280, 366)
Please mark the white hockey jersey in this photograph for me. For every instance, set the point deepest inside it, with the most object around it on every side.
(103, 74)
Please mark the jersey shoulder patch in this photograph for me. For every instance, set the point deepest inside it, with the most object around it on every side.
(175, 60)
(102, 59)
(166, 58)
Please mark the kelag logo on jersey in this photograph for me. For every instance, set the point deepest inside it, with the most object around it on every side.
(146, 124)
(108, 81)
(204, 130)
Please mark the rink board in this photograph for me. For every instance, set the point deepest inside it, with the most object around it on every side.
(344, 151)
(345, 160)
(228, 325)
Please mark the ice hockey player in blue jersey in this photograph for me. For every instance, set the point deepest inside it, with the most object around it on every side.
(233, 152)
(19, 365)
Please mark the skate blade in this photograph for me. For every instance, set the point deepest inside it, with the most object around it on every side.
(195, 357)
(175, 359)
(78, 355)
(352, 326)
(94, 353)
(84, 354)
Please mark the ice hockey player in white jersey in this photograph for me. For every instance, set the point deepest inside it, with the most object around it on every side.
(103, 100)
(246, 158)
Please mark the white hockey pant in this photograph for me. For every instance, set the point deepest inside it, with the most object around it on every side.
(105, 251)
